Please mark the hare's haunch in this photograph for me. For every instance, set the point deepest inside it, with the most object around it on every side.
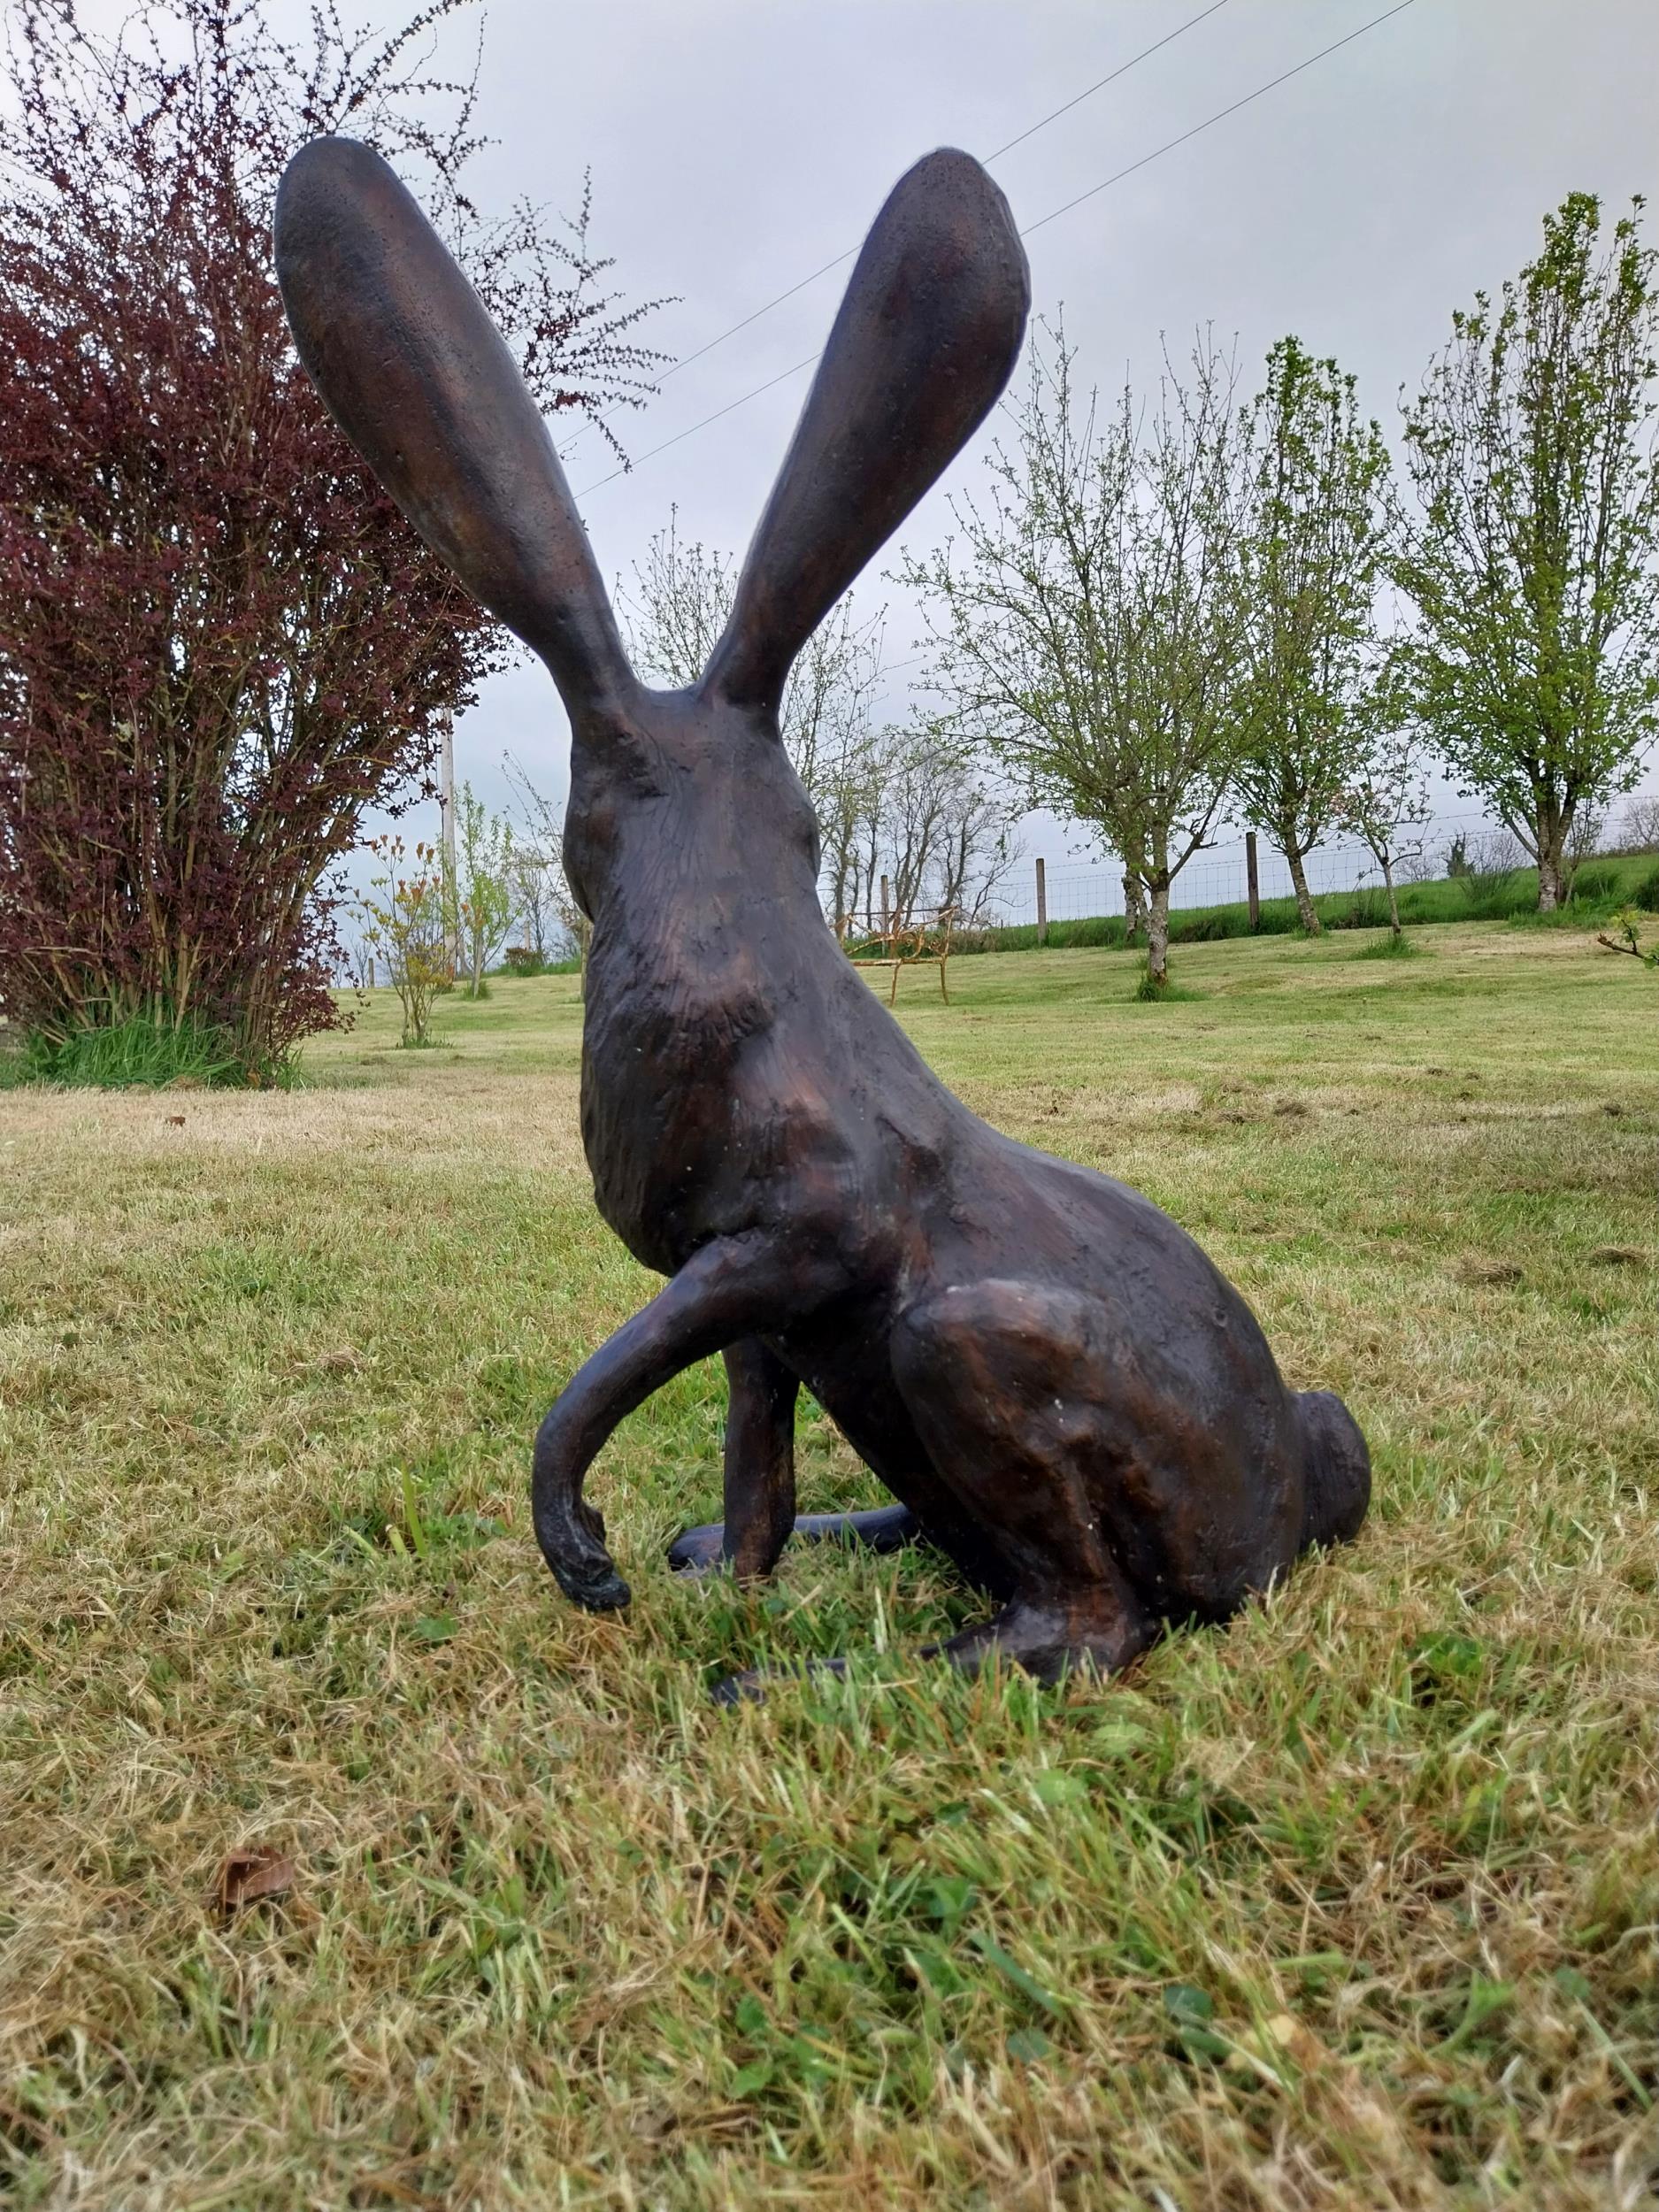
(1047, 1372)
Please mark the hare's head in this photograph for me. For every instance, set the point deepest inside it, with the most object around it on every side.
(419, 379)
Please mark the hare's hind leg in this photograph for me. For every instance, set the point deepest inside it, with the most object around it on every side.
(1001, 1383)
(997, 1377)
(760, 1515)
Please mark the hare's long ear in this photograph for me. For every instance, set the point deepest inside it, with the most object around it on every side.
(417, 375)
(924, 341)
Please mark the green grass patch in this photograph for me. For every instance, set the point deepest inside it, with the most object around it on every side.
(1388, 946)
(144, 1051)
(1350, 1902)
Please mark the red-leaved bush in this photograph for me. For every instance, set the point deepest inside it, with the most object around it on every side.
(219, 640)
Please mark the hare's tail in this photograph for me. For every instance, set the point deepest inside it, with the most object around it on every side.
(1337, 1470)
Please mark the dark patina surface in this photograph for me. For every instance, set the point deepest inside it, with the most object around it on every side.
(1046, 1372)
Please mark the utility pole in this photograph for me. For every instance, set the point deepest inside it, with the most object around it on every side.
(1042, 902)
(446, 802)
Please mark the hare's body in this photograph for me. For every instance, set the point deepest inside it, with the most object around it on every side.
(978, 1318)
(1043, 1369)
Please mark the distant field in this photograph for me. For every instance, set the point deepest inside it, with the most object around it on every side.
(1354, 1903)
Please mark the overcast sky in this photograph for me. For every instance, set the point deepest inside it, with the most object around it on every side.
(736, 145)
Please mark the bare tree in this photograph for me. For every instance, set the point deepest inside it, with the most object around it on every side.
(1087, 613)
(533, 895)
(849, 818)
(1384, 797)
(1639, 826)
(1584, 840)
(944, 830)
(675, 611)
(542, 847)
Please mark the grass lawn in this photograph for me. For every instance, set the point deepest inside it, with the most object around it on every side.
(1354, 1903)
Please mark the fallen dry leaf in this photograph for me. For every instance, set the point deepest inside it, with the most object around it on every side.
(1295, 2037)
(248, 1876)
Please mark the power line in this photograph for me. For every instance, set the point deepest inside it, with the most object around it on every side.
(782, 377)
(1169, 146)
(1220, 116)
(1099, 83)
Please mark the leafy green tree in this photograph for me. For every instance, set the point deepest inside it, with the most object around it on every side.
(1531, 556)
(403, 919)
(485, 884)
(1086, 614)
(1312, 556)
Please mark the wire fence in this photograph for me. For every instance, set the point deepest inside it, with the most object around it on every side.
(1219, 876)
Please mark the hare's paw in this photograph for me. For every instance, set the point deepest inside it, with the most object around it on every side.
(749, 1686)
(697, 1550)
(1097, 1631)
(882, 1528)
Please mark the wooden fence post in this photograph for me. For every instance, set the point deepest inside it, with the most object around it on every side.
(1042, 902)
(1252, 880)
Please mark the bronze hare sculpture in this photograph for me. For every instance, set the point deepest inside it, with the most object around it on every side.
(1062, 1391)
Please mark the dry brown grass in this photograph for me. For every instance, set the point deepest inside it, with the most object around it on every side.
(1351, 1905)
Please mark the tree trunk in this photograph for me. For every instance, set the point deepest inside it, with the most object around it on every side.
(1307, 912)
(1552, 888)
(1394, 904)
(1135, 907)
(1158, 935)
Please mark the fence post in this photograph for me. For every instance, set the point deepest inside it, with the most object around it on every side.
(1042, 902)
(371, 973)
(887, 918)
(446, 802)
(1252, 880)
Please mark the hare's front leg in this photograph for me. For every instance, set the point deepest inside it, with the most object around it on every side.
(759, 1458)
(722, 1294)
(760, 1516)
